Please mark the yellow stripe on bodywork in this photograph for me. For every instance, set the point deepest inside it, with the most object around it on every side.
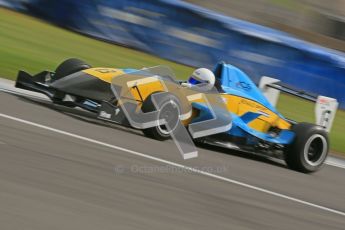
(145, 86)
(104, 74)
(142, 81)
(240, 106)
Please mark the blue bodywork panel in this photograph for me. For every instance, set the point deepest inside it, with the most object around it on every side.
(129, 70)
(235, 82)
(241, 129)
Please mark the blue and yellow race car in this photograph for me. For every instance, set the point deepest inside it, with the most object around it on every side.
(236, 114)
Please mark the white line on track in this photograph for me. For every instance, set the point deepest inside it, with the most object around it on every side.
(276, 194)
(335, 162)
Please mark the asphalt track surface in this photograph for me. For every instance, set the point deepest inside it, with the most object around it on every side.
(66, 170)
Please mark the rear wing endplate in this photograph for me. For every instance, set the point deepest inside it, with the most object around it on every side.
(325, 107)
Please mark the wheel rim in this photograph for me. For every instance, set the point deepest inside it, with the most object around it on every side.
(315, 150)
(169, 116)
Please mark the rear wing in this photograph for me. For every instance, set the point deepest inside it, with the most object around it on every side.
(325, 107)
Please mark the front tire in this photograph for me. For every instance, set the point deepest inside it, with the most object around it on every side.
(309, 149)
(68, 67)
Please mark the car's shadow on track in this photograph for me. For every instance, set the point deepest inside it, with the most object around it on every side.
(90, 117)
(246, 155)
(79, 114)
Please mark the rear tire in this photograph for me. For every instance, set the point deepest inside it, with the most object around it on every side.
(309, 149)
(68, 67)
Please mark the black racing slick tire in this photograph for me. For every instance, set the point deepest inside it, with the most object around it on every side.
(167, 102)
(68, 67)
(309, 149)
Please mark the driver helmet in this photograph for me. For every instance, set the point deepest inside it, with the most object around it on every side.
(202, 78)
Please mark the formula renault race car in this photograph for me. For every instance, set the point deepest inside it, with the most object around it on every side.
(236, 114)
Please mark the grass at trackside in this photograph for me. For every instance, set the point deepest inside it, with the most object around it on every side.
(29, 44)
(32, 45)
(301, 110)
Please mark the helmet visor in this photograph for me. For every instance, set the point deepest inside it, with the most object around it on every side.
(194, 81)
